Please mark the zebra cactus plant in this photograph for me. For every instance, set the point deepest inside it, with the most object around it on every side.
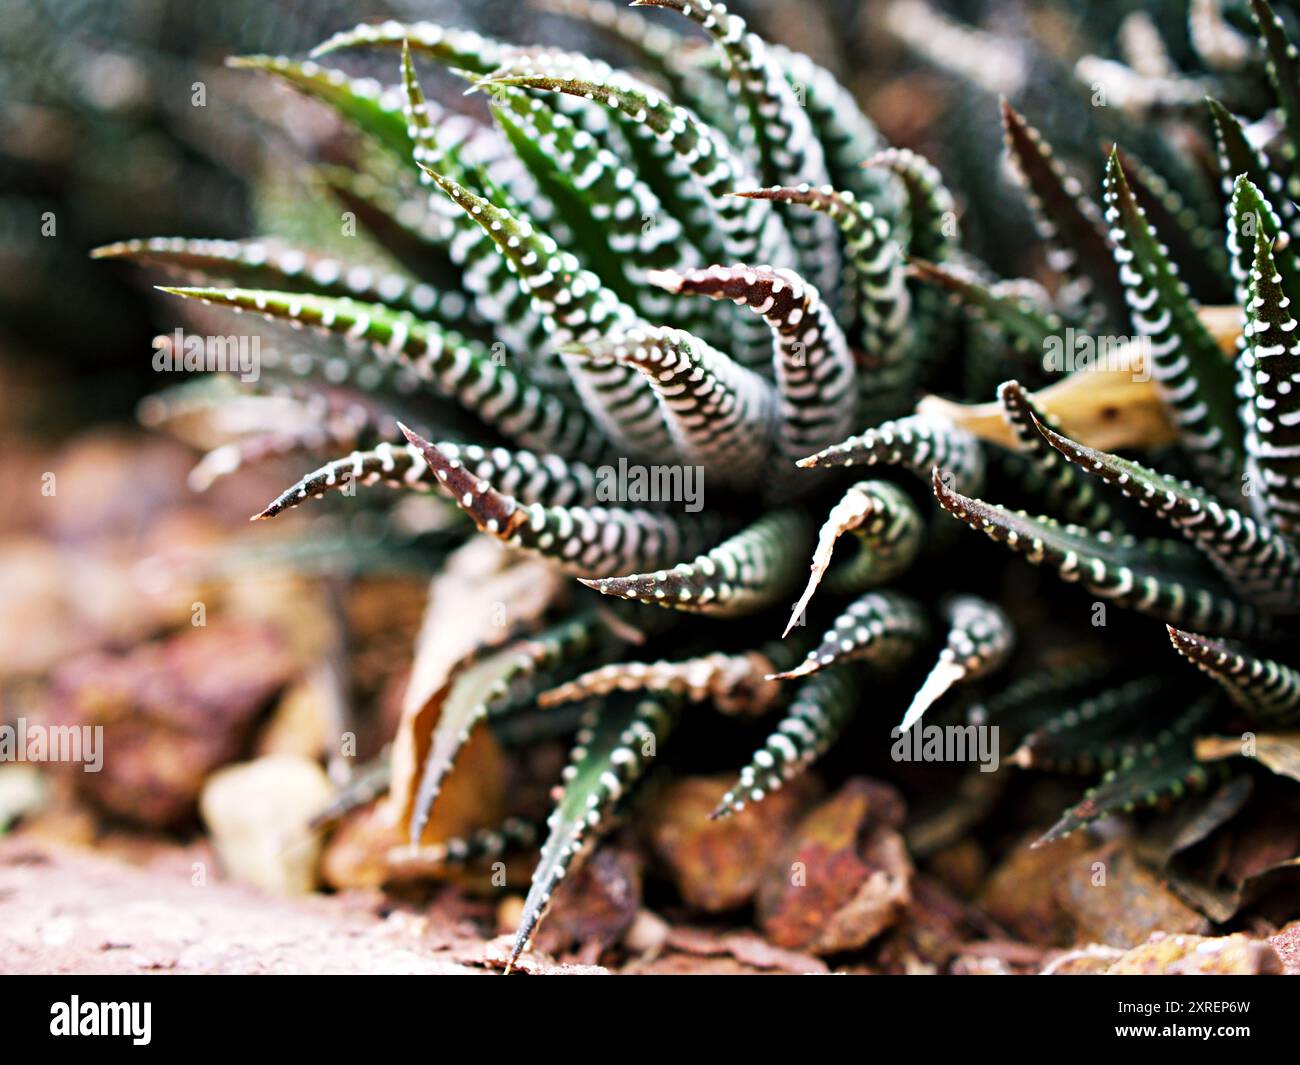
(717, 263)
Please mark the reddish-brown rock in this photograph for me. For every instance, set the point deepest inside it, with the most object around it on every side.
(930, 934)
(593, 907)
(1287, 945)
(717, 865)
(1179, 955)
(171, 713)
(843, 877)
(1114, 900)
(1021, 893)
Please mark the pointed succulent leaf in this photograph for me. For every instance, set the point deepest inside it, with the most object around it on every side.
(432, 142)
(1190, 372)
(1066, 489)
(883, 302)
(454, 366)
(442, 147)
(499, 293)
(270, 265)
(491, 685)
(734, 683)
(457, 49)
(547, 163)
(747, 229)
(332, 434)
(719, 413)
(697, 78)
(777, 121)
(1268, 690)
(622, 225)
(889, 531)
(575, 307)
(917, 443)
(1271, 369)
(1162, 578)
(1239, 158)
(1066, 218)
(932, 211)
(979, 642)
(584, 541)
(460, 51)
(882, 629)
(1168, 773)
(610, 755)
(823, 705)
(1284, 73)
(1093, 733)
(815, 373)
(846, 134)
(1250, 215)
(693, 73)
(363, 102)
(744, 574)
(1192, 241)
(545, 479)
(1258, 563)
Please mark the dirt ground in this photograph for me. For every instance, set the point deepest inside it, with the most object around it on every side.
(72, 911)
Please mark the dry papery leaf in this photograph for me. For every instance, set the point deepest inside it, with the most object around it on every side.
(484, 596)
(1257, 866)
(1194, 821)
(1278, 751)
(1103, 408)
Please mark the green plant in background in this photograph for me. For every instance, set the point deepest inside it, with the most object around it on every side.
(717, 264)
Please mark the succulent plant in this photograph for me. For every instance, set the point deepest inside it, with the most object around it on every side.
(717, 264)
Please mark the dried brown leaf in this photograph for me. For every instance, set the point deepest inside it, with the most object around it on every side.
(482, 597)
(1278, 751)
